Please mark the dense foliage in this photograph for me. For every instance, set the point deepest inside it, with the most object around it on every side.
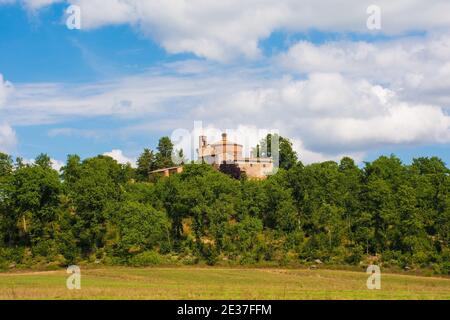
(97, 210)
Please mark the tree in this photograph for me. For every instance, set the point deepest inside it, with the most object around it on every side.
(164, 155)
(407, 233)
(286, 156)
(350, 181)
(6, 165)
(243, 239)
(33, 201)
(145, 165)
(140, 228)
(337, 212)
(72, 170)
(280, 212)
(95, 192)
(43, 161)
(6, 171)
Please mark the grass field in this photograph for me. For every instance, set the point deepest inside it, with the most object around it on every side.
(218, 283)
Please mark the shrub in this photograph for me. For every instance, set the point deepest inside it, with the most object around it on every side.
(209, 253)
(355, 255)
(146, 258)
(12, 255)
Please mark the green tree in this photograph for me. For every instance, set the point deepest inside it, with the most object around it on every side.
(145, 165)
(338, 212)
(43, 161)
(280, 212)
(71, 172)
(286, 156)
(6, 171)
(165, 152)
(32, 205)
(96, 191)
(6, 165)
(244, 240)
(140, 228)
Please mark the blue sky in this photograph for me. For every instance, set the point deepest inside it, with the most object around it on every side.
(37, 48)
(334, 87)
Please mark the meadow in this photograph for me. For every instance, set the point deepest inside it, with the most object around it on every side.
(218, 283)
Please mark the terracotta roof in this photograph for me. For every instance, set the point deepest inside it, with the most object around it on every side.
(164, 169)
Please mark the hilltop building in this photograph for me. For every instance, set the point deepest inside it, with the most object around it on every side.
(225, 151)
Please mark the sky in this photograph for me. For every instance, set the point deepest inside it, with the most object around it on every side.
(311, 70)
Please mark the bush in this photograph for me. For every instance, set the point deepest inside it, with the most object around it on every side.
(12, 255)
(445, 268)
(189, 260)
(442, 268)
(45, 248)
(209, 253)
(355, 255)
(146, 258)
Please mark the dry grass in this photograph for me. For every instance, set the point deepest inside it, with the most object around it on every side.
(218, 283)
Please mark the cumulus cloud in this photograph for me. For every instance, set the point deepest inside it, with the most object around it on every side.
(5, 89)
(222, 30)
(334, 99)
(332, 114)
(307, 156)
(31, 5)
(38, 4)
(417, 68)
(8, 139)
(327, 114)
(120, 157)
(57, 164)
(2, 2)
(147, 95)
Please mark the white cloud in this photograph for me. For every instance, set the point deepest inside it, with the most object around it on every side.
(129, 97)
(338, 98)
(307, 156)
(221, 30)
(416, 68)
(71, 132)
(120, 157)
(32, 5)
(332, 114)
(38, 4)
(8, 139)
(328, 114)
(57, 164)
(5, 89)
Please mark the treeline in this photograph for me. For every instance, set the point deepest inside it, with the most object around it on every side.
(99, 211)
